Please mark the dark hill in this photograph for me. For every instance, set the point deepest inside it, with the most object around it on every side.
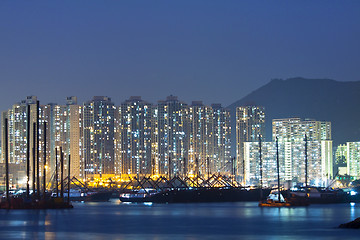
(319, 99)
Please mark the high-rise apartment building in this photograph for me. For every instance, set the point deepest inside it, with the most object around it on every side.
(292, 163)
(98, 136)
(250, 124)
(170, 135)
(200, 138)
(353, 159)
(64, 132)
(269, 163)
(291, 134)
(137, 137)
(74, 131)
(134, 136)
(340, 161)
(292, 131)
(20, 134)
(222, 162)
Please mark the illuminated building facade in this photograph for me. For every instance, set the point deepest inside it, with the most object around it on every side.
(340, 164)
(353, 159)
(137, 137)
(291, 133)
(294, 129)
(250, 123)
(134, 136)
(222, 162)
(200, 138)
(17, 135)
(269, 166)
(98, 136)
(292, 162)
(64, 131)
(169, 133)
(75, 137)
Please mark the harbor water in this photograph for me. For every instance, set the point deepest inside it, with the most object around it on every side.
(116, 220)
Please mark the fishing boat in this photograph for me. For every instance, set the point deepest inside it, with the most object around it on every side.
(275, 199)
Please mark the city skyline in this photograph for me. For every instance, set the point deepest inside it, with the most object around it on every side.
(167, 138)
(179, 119)
(135, 137)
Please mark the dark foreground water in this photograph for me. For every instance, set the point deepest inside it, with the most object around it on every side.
(115, 220)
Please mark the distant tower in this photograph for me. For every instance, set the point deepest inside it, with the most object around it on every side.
(171, 135)
(222, 135)
(64, 129)
(133, 136)
(353, 159)
(291, 132)
(250, 123)
(17, 124)
(200, 137)
(17, 134)
(74, 135)
(98, 134)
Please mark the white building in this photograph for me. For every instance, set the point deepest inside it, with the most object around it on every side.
(291, 135)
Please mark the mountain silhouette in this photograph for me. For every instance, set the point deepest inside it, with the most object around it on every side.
(319, 99)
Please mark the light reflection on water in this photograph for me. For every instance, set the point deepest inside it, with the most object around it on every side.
(115, 220)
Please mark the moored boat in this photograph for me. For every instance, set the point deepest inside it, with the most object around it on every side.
(195, 195)
(88, 196)
(142, 195)
(318, 195)
(276, 200)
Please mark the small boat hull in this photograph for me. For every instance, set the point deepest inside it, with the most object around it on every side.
(90, 197)
(275, 204)
(195, 195)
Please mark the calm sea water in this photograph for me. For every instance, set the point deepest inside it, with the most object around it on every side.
(115, 220)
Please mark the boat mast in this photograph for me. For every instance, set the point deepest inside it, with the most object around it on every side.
(152, 167)
(261, 192)
(44, 176)
(306, 166)
(37, 151)
(56, 172)
(69, 181)
(7, 162)
(208, 166)
(169, 168)
(34, 159)
(278, 168)
(185, 168)
(61, 173)
(28, 152)
(233, 170)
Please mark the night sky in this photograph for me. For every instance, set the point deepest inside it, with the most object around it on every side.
(215, 51)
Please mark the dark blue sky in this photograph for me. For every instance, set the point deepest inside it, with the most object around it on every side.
(215, 51)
